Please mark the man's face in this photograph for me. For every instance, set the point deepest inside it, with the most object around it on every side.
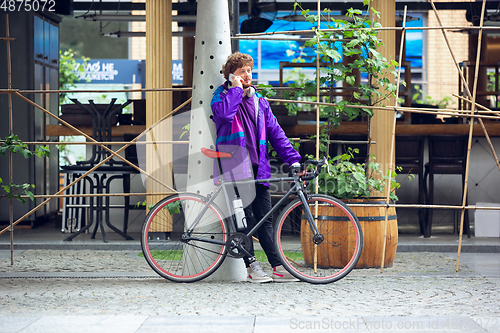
(245, 73)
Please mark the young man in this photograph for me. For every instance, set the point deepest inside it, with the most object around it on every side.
(245, 124)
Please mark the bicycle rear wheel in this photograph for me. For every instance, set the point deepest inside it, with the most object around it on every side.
(333, 257)
(164, 242)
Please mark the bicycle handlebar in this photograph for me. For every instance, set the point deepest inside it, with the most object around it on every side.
(316, 163)
(315, 173)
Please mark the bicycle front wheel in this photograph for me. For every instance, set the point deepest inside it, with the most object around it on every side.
(325, 258)
(183, 239)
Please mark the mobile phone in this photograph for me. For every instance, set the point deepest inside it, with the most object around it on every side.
(231, 77)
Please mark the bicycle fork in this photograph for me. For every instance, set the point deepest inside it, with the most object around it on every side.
(317, 237)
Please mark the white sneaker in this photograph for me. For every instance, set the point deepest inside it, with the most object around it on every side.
(256, 274)
(280, 274)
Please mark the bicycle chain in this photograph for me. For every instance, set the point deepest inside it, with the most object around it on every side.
(234, 241)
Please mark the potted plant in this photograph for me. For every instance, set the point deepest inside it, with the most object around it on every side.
(350, 61)
(11, 144)
(354, 184)
(346, 180)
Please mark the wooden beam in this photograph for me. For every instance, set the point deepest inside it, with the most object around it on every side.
(158, 104)
(117, 131)
(493, 129)
(381, 128)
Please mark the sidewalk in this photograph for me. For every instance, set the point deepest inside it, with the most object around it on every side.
(109, 287)
(116, 291)
(246, 324)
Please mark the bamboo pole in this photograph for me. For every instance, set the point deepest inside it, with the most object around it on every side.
(299, 39)
(381, 108)
(484, 129)
(48, 143)
(315, 253)
(24, 91)
(104, 143)
(9, 91)
(95, 195)
(450, 112)
(96, 166)
(471, 128)
(486, 110)
(113, 153)
(11, 131)
(299, 32)
(393, 140)
(391, 108)
(61, 191)
(43, 196)
(416, 206)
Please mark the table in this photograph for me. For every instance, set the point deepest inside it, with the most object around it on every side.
(103, 118)
(101, 185)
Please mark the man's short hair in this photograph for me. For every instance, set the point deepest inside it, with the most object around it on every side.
(235, 61)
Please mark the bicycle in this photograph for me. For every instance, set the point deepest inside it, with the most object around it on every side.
(317, 237)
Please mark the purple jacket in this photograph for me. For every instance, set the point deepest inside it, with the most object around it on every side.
(231, 139)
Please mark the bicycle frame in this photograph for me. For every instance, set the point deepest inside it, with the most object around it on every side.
(317, 238)
(296, 188)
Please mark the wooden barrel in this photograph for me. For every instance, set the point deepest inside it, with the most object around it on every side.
(333, 225)
(372, 220)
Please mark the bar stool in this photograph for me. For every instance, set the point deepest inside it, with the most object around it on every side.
(102, 123)
(447, 155)
(410, 157)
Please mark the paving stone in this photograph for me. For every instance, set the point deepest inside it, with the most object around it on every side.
(55, 290)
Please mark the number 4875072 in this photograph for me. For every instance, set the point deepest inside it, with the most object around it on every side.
(27, 5)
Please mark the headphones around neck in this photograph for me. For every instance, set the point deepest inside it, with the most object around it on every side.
(251, 92)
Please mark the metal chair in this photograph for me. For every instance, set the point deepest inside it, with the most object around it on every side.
(447, 155)
(410, 157)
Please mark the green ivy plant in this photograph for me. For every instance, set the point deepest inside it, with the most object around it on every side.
(356, 38)
(346, 180)
(266, 90)
(186, 129)
(420, 97)
(68, 72)
(173, 207)
(305, 89)
(13, 145)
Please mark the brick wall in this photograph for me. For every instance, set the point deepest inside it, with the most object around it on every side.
(442, 75)
(138, 44)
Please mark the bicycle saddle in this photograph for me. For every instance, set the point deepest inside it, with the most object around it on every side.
(215, 154)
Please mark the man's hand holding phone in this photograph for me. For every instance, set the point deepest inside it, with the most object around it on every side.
(236, 81)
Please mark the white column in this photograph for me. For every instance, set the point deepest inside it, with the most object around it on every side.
(212, 47)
